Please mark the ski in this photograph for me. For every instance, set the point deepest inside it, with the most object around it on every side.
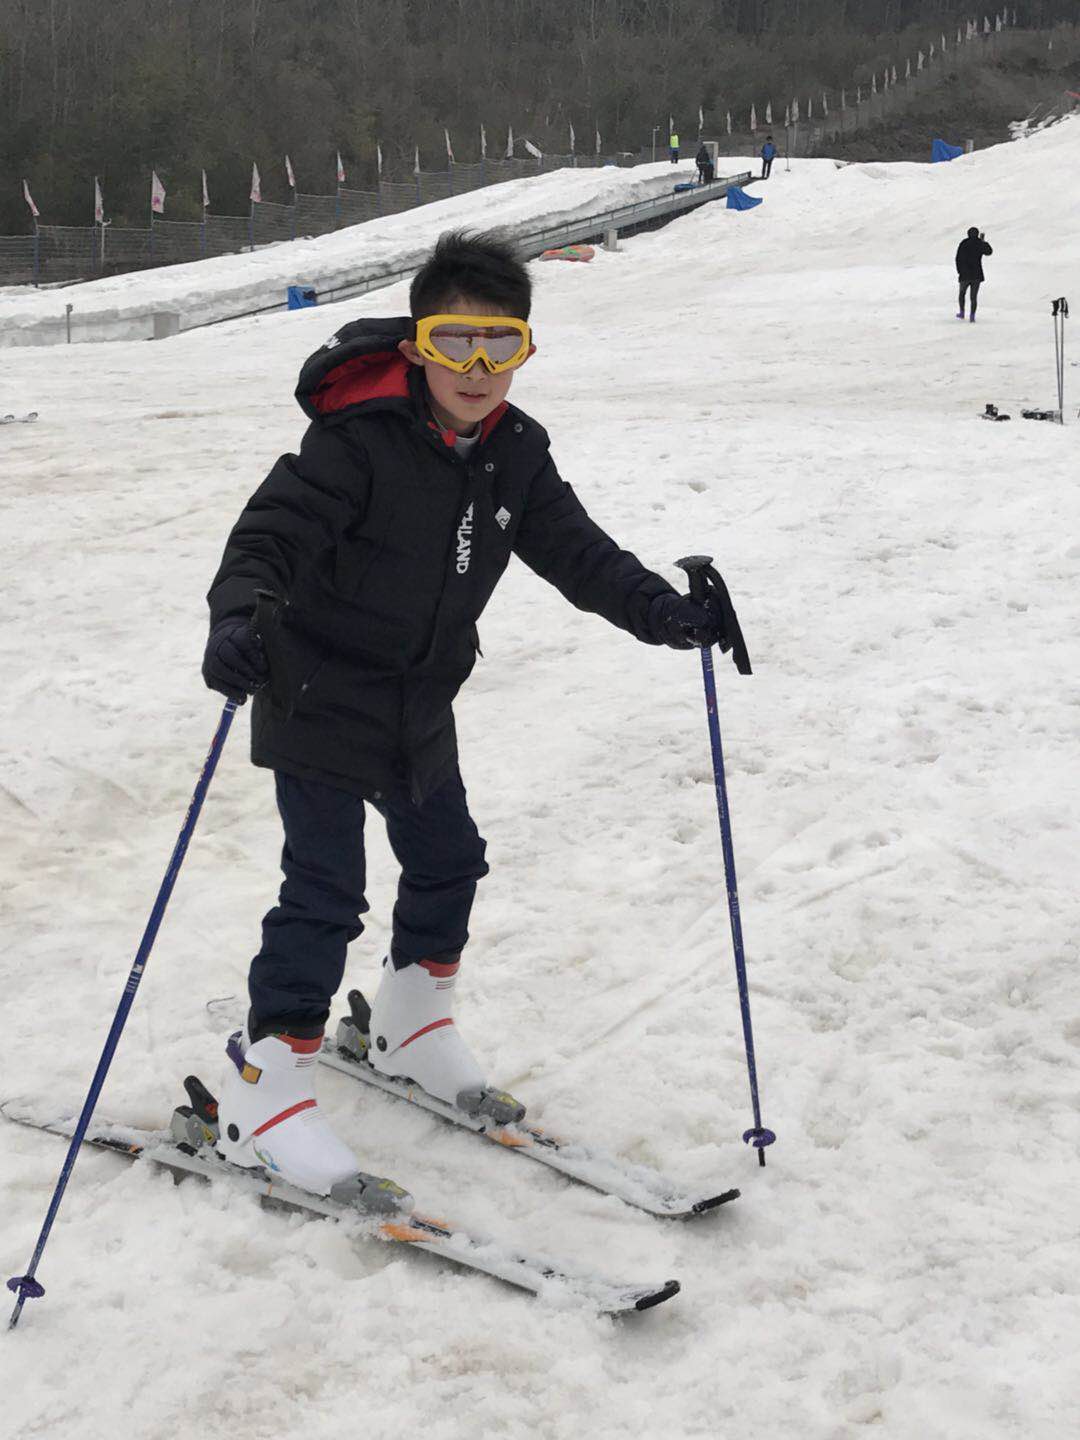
(379, 1210)
(27, 419)
(637, 1185)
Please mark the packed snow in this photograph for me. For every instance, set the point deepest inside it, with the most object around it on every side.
(789, 390)
(122, 307)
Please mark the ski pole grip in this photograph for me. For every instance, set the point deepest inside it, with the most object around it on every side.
(696, 567)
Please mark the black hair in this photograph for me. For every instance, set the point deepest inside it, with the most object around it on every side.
(481, 267)
(973, 233)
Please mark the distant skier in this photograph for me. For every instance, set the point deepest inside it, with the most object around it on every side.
(673, 148)
(703, 160)
(347, 601)
(969, 258)
(768, 155)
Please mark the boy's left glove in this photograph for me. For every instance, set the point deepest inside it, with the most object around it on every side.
(683, 623)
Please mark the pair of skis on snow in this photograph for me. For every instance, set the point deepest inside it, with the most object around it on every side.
(383, 1211)
(27, 419)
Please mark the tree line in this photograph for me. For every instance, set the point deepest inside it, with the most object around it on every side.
(121, 87)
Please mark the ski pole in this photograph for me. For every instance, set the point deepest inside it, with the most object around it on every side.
(1060, 314)
(27, 1287)
(706, 585)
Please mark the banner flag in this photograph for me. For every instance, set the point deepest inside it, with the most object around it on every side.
(598, 142)
(509, 142)
(289, 173)
(700, 119)
(29, 198)
(378, 160)
(531, 148)
(449, 147)
(341, 168)
(99, 204)
(416, 162)
(483, 142)
(572, 151)
(157, 194)
(256, 185)
(205, 193)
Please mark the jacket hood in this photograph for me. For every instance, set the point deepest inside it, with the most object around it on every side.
(360, 363)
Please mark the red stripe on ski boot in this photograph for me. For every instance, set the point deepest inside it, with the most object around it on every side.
(285, 1114)
(435, 1025)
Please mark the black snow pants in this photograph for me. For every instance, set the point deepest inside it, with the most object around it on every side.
(304, 938)
(973, 286)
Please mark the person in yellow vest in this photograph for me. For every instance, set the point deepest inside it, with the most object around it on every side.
(674, 144)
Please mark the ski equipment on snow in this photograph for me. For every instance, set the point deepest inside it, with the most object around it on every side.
(27, 1287)
(707, 585)
(27, 419)
(379, 1209)
(1060, 315)
(636, 1185)
(992, 413)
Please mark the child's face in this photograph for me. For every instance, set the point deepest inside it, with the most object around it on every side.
(460, 401)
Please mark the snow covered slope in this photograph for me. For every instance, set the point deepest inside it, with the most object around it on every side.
(788, 389)
(121, 307)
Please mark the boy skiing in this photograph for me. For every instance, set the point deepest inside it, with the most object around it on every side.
(346, 602)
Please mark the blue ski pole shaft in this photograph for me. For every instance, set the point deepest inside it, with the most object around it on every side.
(700, 572)
(27, 1287)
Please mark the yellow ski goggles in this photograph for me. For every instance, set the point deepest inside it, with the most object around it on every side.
(459, 341)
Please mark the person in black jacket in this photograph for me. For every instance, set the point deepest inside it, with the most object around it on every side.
(346, 602)
(969, 258)
(704, 163)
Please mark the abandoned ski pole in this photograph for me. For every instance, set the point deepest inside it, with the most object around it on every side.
(27, 1287)
(1060, 315)
(707, 588)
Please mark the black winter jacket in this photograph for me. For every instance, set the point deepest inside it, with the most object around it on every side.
(969, 258)
(377, 548)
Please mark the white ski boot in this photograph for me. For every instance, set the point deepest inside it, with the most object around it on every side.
(413, 1035)
(269, 1118)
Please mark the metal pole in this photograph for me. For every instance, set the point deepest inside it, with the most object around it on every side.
(27, 1287)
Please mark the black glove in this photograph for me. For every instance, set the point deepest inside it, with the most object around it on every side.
(683, 623)
(235, 662)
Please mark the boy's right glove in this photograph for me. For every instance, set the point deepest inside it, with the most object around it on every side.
(235, 662)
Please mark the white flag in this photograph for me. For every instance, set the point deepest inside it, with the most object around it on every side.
(341, 168)
(289, 173)
(787, 117)
(894, 74)
(753, 117)
(256, 185)
(907, 70)
(810, 108)
(598, 142)
(483, 142)
(843, 99)
(824, 104)
(449, 147)
(873, 83)
(416, 162)
(794, 112)
(29, 198)
(99, 204)
(509, 142)
(572, 141)
(700, 119)
(157, 194)
(531, 148)
(729, 122)
(378, 159)
(205, 193)
(768, 113)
